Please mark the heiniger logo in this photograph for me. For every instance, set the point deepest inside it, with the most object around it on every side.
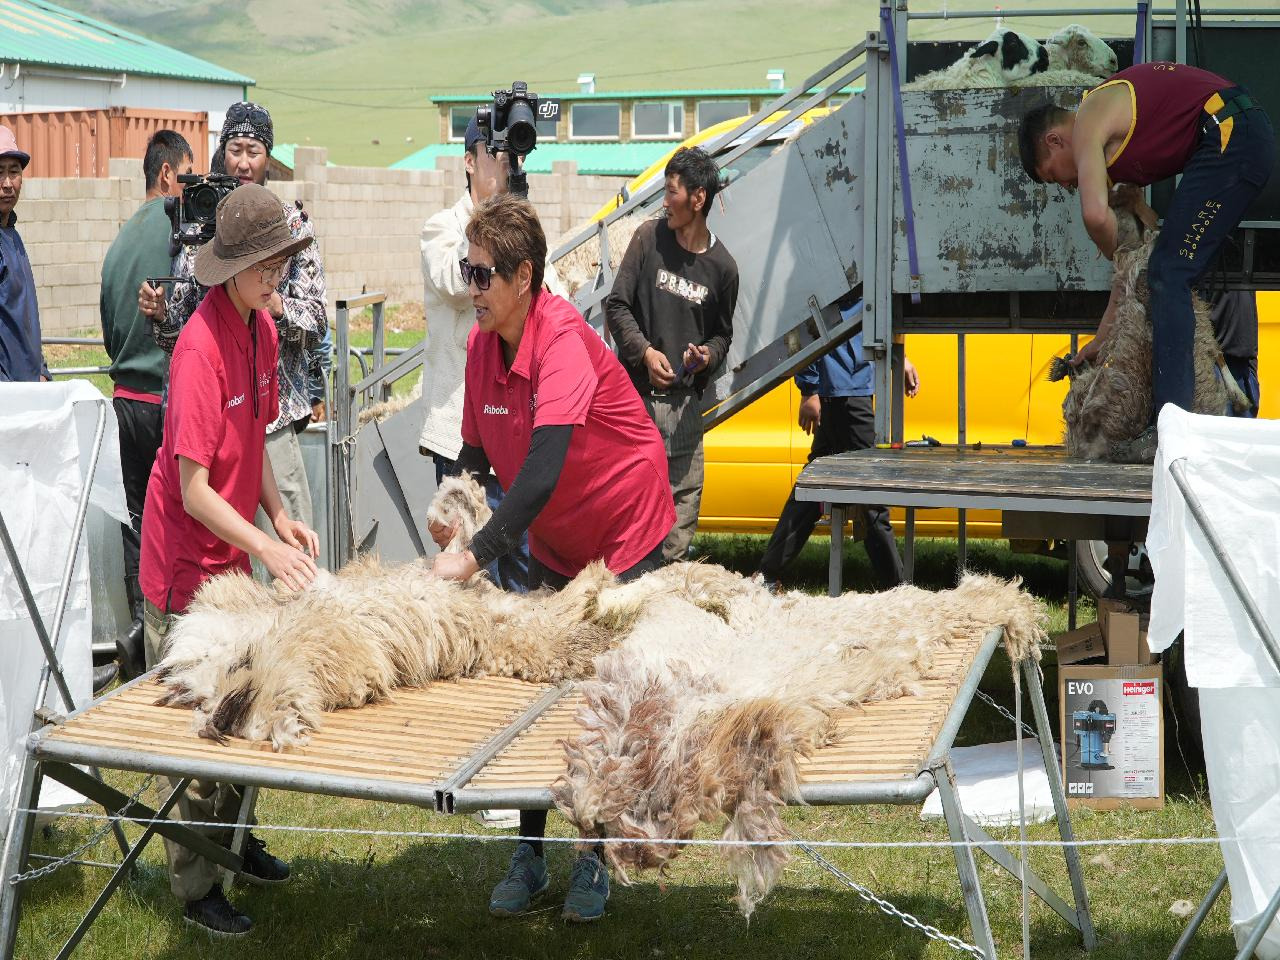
(496, 411)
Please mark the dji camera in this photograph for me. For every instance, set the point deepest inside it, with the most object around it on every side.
(193, 215)
(510, 125)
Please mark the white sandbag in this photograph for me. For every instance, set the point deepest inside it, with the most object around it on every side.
(987, 779)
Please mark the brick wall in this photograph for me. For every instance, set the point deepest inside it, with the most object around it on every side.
(367, 222)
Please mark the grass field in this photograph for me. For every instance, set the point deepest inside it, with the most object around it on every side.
(375, 897)
(343, 74)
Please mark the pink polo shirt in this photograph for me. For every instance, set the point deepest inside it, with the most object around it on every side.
(613, 500)
(211, 419)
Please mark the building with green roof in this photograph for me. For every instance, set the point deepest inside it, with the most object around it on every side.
(52, 58)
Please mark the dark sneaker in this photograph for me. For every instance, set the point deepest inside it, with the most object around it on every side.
(216, 914)
(260, 867)
(129, 652)
(526, 880)
(588, 890)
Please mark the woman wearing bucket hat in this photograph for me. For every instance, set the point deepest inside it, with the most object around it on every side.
(209, 478)
(299, 307)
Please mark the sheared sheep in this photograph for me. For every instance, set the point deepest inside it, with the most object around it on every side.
(1076, 48)
(578, 267)
(1109, 401)
(459, 501)
(1072, 58)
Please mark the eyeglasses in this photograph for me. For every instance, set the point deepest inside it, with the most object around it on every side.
(247, 110)
(274, 274)
(481, 275)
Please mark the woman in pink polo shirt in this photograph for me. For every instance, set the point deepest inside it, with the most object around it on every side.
(549, 407)
(209, 477)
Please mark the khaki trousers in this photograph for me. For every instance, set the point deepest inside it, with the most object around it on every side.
(678, 417)
(190, 875)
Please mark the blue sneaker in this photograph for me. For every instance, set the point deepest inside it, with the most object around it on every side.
(588, 890)
(526, 880)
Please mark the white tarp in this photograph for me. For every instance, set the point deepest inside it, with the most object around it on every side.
(1233, 467)
(987, 780)
(46, 441)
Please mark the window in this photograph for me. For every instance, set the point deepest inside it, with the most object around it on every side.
(663, 121)
(711, 112)
(459, 117)
(595, 121)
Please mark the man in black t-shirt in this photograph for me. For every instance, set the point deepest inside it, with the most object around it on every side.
(671, 316)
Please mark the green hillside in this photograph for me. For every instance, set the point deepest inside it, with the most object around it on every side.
(347, 73)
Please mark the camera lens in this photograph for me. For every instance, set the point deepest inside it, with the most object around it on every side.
(201, 204)
(522, 133)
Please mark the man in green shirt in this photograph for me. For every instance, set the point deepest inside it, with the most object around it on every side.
(137, 363)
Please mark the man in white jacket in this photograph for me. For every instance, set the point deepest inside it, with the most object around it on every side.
(450, 315)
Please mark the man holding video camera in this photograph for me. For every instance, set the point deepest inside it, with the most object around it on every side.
(299, 306)
(450, 314)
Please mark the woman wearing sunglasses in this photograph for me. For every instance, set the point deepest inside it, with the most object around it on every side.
(549, 407)
(209, 478)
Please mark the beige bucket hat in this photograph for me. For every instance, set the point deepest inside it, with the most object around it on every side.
(250, 228)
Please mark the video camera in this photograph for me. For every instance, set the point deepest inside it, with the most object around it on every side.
(193, 215)
(510, 125)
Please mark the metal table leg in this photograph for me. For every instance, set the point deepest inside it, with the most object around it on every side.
(1202, 911)
(966, 866)
(17, 846)
(1071, 853)
(120, 875)
(835, 584)
(909, 561)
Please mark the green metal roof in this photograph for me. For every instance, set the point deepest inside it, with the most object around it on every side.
(32, 31)
(598, 159)
(627, 94)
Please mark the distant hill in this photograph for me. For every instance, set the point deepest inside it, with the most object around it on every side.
(346, 73)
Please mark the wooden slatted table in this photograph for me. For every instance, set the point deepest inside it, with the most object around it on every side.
(883, 747)
(1041, 492)
(493, 742)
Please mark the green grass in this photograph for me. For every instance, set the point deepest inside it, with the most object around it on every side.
(344, 74)
(364, 897)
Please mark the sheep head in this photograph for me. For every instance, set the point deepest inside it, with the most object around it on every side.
(1013, 55)
(460, 501)
(1075, 48)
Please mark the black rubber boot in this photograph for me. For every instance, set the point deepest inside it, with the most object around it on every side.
(130, 649)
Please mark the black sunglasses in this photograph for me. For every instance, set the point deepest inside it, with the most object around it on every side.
(247, 110)
(482, 275)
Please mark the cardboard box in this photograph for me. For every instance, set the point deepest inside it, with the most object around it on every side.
(1083, 643)
(1112, 736)
(1125, 633)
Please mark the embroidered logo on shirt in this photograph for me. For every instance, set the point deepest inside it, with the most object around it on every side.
(533, 403)
(687, 289)
(235, 401)
(497, 411)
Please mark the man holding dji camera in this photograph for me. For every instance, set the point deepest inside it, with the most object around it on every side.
(496, 142)
(299, 305)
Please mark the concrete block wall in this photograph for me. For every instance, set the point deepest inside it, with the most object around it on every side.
(367, 221)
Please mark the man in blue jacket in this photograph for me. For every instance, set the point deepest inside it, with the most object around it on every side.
(838, 409)
(21, 358)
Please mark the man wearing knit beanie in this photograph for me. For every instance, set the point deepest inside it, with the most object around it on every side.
(299, 306)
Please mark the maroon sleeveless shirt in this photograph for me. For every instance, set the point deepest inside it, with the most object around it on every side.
(1168, 101)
